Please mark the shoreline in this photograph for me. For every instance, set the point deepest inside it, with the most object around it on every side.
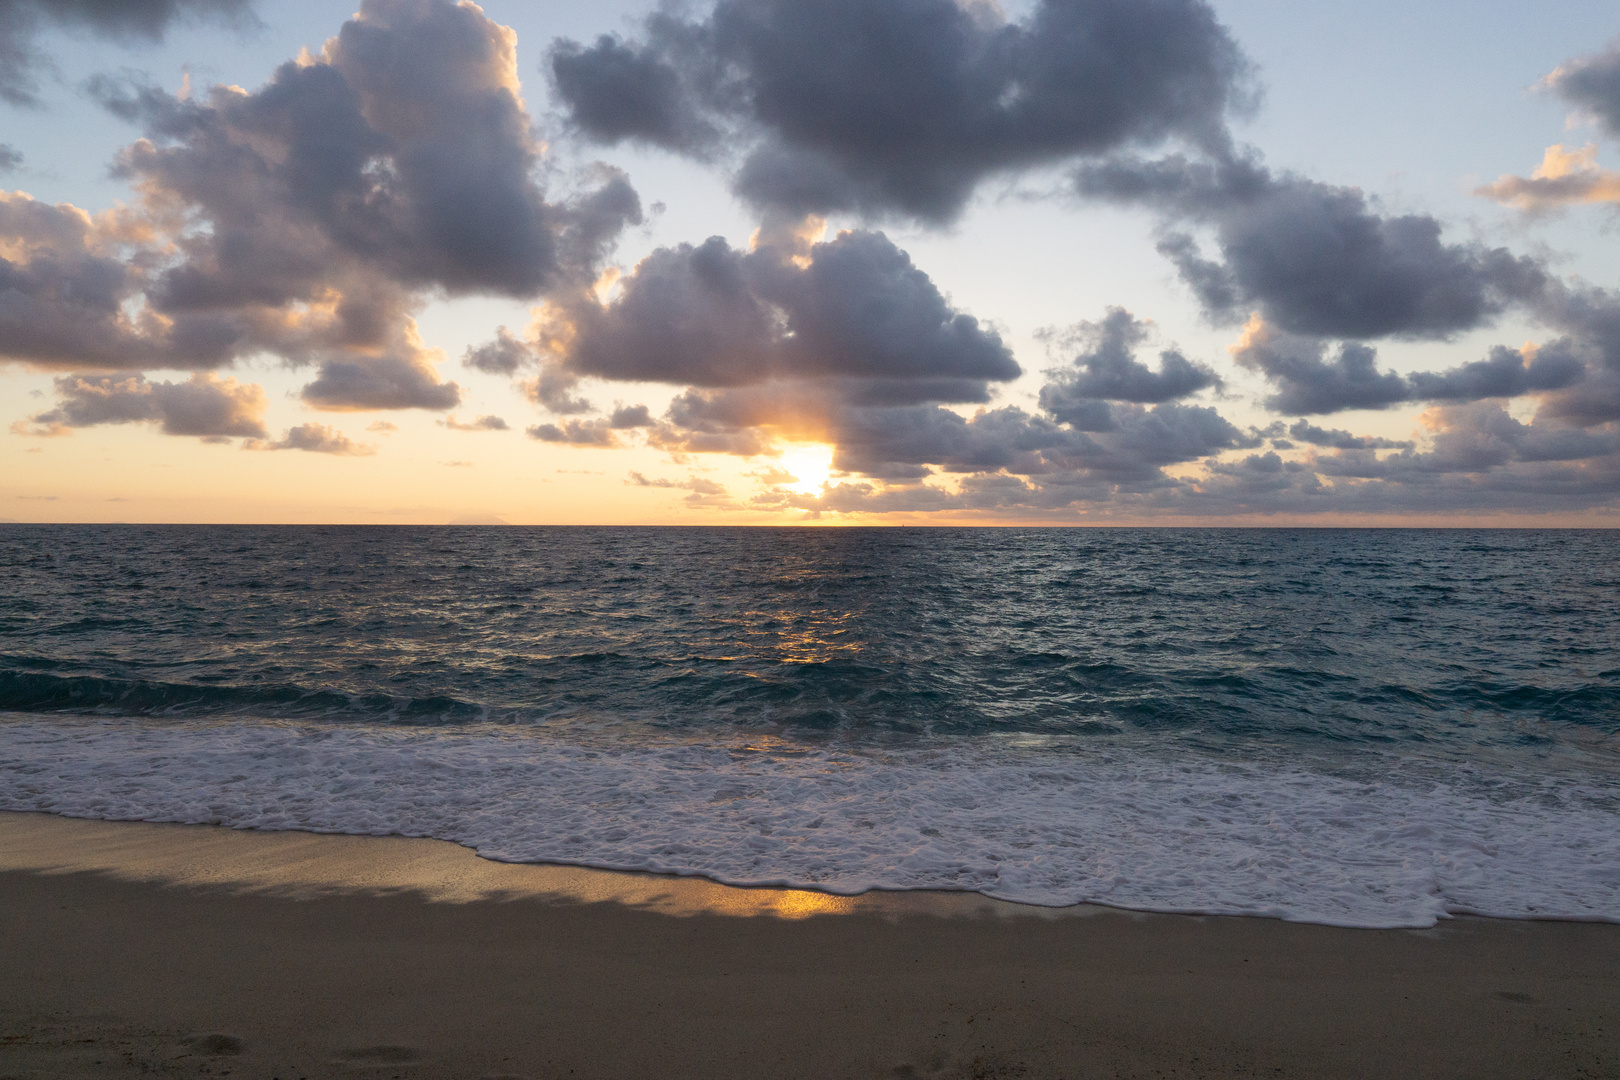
(296, 864)
(303, 863)
(190, 950)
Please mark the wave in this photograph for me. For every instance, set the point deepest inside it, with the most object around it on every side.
(1125, 828)
(42, 691)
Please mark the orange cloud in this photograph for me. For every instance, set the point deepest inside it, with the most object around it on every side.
(1565, 177)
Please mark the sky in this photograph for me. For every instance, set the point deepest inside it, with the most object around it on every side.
(1244, 262)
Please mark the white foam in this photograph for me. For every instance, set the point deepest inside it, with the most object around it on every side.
(1127, 829)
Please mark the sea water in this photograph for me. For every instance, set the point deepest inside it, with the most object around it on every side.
(1358, 727)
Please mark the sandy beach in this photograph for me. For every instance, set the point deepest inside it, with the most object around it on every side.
(137, 949)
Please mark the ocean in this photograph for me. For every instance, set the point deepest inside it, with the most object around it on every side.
(1374, 728)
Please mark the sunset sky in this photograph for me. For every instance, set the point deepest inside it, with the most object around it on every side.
(782, 261)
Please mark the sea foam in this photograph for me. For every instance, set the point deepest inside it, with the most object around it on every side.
(1119, 827)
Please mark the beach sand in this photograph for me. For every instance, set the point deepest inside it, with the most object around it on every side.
(167, 950)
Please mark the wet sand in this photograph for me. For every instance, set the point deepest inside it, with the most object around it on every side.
(133, 949)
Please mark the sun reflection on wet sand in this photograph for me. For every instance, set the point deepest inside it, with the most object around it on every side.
(307, 866)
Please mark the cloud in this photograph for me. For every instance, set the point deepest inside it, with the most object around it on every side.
(691, 483)
(1567, 177)
(502, 356)
(904, 106)
(405, 144)
(704, 493)
(846, 342)
(1107, 370)
(1481, 460)
(146, 21)
(1592, 84)
(315, 439)
(1564, 178)
(1310, 382)
(630, 416)
(786, 340)
(405, 380)
(597, 433)
(311, 219)
(1140, 459)
(1137, 443)
(854, 308)
(483, 423)
(1338, 439)
(11, 158)
(1590, 320)
(204, 405)
(1313, 258)
(551, 387)
(68, 294)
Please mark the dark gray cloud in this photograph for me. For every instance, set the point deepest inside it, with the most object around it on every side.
(67, 296)
(134, 22)
(616, 91)
(312, 218)
(1479, 459)
(1478, 439)
(1592, 83)
(1313, 258)
(905, 106)
(504, 355)
(315, 439)
(11, 158)
(204, 405)
(790, 340)
(1338, 439)
(598, 432)
(404, 381)
(406, 146)
(1505, 373)
(1590, 320)
(626, 417)
(1311, 382)
(1106, 369)
(551, 386)
(713, 316)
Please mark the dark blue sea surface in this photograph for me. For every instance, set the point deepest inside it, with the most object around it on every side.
(1051, 715)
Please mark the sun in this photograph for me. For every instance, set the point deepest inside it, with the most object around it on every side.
(810, 464)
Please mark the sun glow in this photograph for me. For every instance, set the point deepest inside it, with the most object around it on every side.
(810, 464)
